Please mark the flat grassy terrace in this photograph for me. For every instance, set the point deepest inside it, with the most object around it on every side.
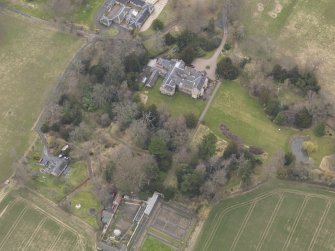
(177, 105)
(32, 58)
(151, 244)
(279, 215)
(244, 116)
(87, 201)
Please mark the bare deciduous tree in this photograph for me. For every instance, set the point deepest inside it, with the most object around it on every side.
(129, 174)
(139, 133)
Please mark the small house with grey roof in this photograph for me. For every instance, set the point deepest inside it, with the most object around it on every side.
(177, 75)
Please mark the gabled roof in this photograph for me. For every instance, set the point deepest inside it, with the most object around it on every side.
(124, 2)
(151, 203)
(143, 16)
(106, 216)
(139, 3)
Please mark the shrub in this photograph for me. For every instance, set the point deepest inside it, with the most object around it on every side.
(55, 127)
(256, 150)
(134, 63)
(169, 39)
(227, 70)
(159, 150)
(303, 119)
(185, 38)
(109, 171)
(208, 146)
(209, 44)
(272, 108)
(188, 54)
(278, 73)
(280, 119)
(232, 148)
(71, 115)
(45, 128)
(210, 28)
(191, 120)
(65, 134)
(99, 72)
(309, 147)
(169, 192)
(189, 181)
(227, 46)
(288, 158)
(320, 129)
(158, 25)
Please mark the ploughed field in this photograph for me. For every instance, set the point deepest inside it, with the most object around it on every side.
(27, 226)
(32, 58)
(277, 216)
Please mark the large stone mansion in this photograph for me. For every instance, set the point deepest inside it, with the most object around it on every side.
(176, 76)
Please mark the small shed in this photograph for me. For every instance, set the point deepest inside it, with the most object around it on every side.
(106, 216)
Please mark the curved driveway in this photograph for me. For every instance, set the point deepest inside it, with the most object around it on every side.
(200, 63)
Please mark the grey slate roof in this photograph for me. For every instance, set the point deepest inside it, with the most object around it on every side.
(106, 216)
(124, 2)
(54, 165)
(180, 74)
(139, 3)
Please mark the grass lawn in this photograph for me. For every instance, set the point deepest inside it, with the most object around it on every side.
(155, 45)
(55, 188)
(245, 117)
(83, 13)
(36, 8)
(177, 105)
(151, 244)
(77, 173)
(111, 31)
(87, 200)
(86, 13)
(276, 215)
(27, 52)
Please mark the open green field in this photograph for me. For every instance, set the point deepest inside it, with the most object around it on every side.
(27, 226)
(177, 105)
(303, 30)
(279, 215)
(244, 116)
(32, 57)
(151, 244)
(80, 12)
(87, 201)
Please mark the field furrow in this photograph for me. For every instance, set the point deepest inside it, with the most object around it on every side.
(296, 221)
(320, 226)
(290, 216)
(270, 222)
(244, 223)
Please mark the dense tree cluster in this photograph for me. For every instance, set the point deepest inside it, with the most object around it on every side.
(226, 70)
(305, 81)
(191, 45)
(157, 24)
